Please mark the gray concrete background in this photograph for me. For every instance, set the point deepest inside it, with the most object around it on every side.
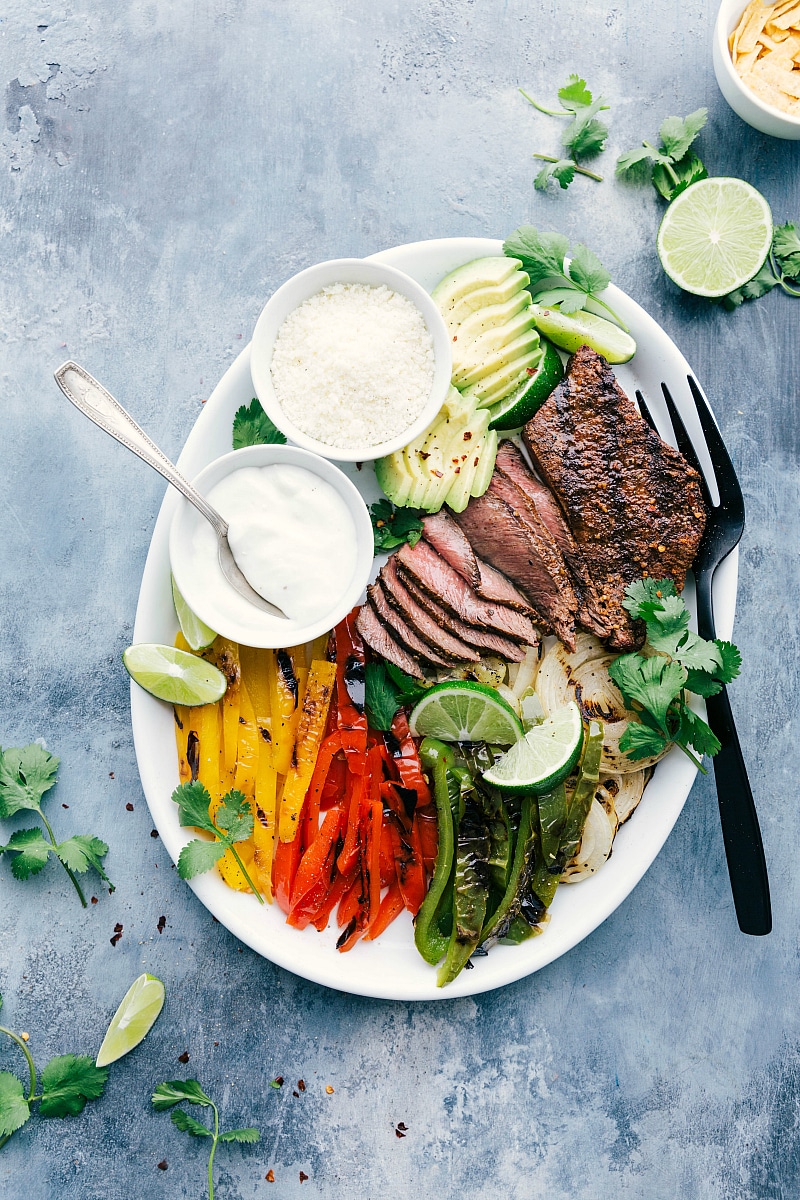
(163, 167)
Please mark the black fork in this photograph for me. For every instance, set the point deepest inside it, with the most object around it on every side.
(744, 849)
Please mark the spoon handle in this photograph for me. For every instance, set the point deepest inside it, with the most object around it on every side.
(92, 399)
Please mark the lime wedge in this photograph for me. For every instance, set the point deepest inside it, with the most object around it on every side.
(461, 711)
(133, 1020)
(174, 675)
(520, 407)
(196, 632)
(544, 757)
(715, 236)
(570, 331)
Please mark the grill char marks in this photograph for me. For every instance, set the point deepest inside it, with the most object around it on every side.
(512, 465)
(450, 541)
(633, 503)
(436, 577)
(442, 638)
(378, 638)
(480, 639)
(401, 631)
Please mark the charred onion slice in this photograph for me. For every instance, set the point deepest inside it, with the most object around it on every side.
(594, 848)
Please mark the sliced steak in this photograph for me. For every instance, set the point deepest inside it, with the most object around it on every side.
(512, 465)
(436, 577)
(633, 503)
(443, 641)
(448, 541)
(377, 637)
(480, 639)
(400, 630)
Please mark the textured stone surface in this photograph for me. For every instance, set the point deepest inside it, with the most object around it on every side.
(162, 168)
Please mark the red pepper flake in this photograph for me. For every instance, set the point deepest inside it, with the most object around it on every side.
(162, 1166)
(397, 1133)
(455, 337)
(296, 1094)
(270, 1176)
(183, 1058)
(110, 774)
(65, 806)
(115, 939)
(468, 436)
(303, 1177)
(438, 474)
(402, 1125)
(301, 1084)
(530, 370)
(153, 833)
(94, 899)
(129, 806)
(162, 924)
(424, 454)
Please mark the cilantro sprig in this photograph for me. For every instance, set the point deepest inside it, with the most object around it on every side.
(584, 136)
(391, 526)
(188, 1091)
(673, 165)
(66, 1084)
(387, 689)
(252, 427)
(674, 661)
(233, 822)
(26, 775)
(552, 283)
(782, 269)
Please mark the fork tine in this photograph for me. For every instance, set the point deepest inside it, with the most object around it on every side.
(685, 443)
(645, 412)
(730, 493)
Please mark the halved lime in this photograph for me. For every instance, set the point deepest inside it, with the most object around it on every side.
(133, 1020)
(715, 236)
(584, 329)
(513, 412)
(544, 757)
(196, 632)
(174, 675)
(461, 711)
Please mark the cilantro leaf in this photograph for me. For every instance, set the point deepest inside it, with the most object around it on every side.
(694, 732)
(586, 136)
(235, 816)
(567, 299)
(786, 248)
(672, 178)
(247, 1136)
(391, 526)
(702, 684)
(83, 852)
(196, 857)
(636, 158)
(381, 696)
(645, 595)
(754, 289)
(68, 1081)
(181, 1120)
(252, 427)
(25, 775)
(652, 682)
(410, 690)
(175, 1090)
(233, 823)
(31, 852)
(640, 741)
(14, 1108)
(541, 254)
(677, 135)
(696, 654)
(575, 95)
(193, 801)
(674, 165)
(587, 272)
(563, 171)
(730, 661)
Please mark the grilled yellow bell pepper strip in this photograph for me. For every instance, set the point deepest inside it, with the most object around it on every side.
(310, 732)
(248, 751)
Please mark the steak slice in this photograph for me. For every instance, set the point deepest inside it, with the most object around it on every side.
(480, 639)
(436, 577)
(377, 637)
(633, 503)
(443, 641)
(400, 630)
(450, 541)
(510, 463)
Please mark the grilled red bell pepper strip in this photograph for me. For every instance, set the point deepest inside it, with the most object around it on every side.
(359, 787)
(391, 907)
(350, 692)
(341, 884)
(316, 872)
(407, 863)
(335, 784)
(406, 759)
(428, 835)
(284, 869)
(329, 748)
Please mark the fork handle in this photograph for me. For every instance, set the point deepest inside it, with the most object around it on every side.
(741, 834)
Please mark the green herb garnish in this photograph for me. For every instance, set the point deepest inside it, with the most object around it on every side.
(673, 661)
(782, 269)
(387, 689)
(26, 774)
(179, 1091)
(584, 137)
(252, 427)
(674, 166)
(67, 1083)
(391, 526)
(572, 288)
(233, 822)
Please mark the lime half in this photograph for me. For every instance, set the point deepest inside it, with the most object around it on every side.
(715, 236)
(570, 331)
(520, 407)
(544, 757)
(465, 712)
(133, 1020)
(197, 633)
(174, 675)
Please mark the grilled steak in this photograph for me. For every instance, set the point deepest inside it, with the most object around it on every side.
(633, 503)
(377, 637)
(510, 463)
(400, 630)
(480, 639)
(436, 577)
(449, 541)
(442, 640)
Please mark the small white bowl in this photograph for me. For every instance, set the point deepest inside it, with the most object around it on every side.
(743, 101)
(219, 605)
(305, 285)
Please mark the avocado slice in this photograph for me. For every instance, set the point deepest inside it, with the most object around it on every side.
(486, 297)
(506, 379)
(394, 478)
(505, 358)
(479, 273)
(494, 348)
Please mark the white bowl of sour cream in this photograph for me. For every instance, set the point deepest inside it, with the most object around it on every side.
(351, 359)
(299, 530)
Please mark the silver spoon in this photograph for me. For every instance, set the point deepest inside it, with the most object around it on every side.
(92, 399)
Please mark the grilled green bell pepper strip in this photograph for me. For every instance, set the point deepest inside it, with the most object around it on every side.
(439, 760)
(470, 893)
(582, 797)
(552, 817)
(508, 907)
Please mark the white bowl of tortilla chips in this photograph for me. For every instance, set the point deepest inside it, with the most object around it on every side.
(757, 63)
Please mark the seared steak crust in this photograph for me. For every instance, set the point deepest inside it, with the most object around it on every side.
(633, 503)
(378, 638)
(450, 541)
(480, 639)
(443, 640)
(400, 630)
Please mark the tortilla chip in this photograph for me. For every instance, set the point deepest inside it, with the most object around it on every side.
(770, 94)
(783, 80)
(791, 16)
(746, 62)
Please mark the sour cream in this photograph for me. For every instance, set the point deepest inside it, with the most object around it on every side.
(291, 534)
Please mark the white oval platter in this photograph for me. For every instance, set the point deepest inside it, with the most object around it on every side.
(390, 967)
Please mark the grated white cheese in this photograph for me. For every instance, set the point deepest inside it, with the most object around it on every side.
(353, 365)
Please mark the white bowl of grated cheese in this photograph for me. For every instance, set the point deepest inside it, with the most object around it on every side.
(351, 359)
